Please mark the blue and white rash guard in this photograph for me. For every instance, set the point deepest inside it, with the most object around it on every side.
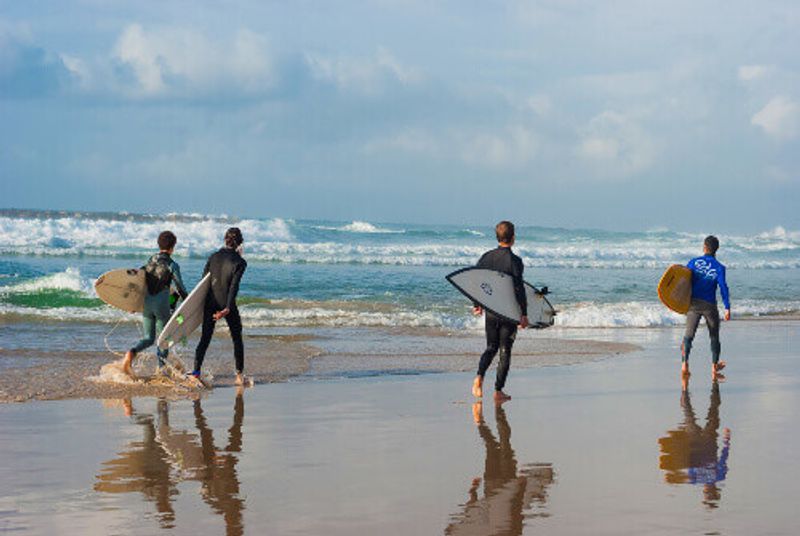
(707, 273)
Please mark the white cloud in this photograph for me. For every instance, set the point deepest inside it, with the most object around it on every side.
(779, 175)
(748, 73)
(512, 147)
(177, 59)
(362, 75)
(505, 148)
(78, 69)
(540, 104)
(779, 118)
(615, 145)
(412, 141)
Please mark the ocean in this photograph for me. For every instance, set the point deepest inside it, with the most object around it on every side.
(309, 273)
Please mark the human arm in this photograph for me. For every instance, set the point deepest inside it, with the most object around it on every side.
(519, 291)
(178, 280)
(233, 288)
(723, 289)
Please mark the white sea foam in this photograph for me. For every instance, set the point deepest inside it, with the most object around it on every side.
(654, 314)
(580, 315)
(612, 315)
(363, 227)
(69, 279)
(110, 237)
(103, 314)
(278, 240)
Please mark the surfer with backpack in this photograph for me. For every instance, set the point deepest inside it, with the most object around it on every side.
(160, 273)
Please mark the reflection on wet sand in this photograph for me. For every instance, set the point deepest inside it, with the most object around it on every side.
(509, 496)
(691, 455)
(164, 457)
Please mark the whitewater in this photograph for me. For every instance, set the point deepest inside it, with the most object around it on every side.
(308, 273)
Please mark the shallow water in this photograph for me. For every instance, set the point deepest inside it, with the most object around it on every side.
(602, 448)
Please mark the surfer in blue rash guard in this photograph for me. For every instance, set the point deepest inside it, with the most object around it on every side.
(160, 273)
(226, 267)
(500, 334)
(707, 274)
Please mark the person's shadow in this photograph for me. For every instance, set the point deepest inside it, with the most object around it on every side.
(691, 454)
(510, 496)
(166, 456)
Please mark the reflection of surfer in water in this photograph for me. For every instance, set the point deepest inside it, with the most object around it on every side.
(165, 457)
(507, 494)
(690, 454)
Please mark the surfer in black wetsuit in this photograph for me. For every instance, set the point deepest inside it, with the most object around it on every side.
(226, 267)
(500, 333)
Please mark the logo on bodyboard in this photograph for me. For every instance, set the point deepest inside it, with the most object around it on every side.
(487, 288)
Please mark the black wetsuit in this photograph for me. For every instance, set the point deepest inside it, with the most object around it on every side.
(500, 333)
(226, 267)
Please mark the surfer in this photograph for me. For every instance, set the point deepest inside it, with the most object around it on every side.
(226, 267)
(500, 333)
(160, 273)
(707, 274)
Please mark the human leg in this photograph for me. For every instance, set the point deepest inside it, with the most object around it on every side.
(234, 321)
(161, 319)
(148, 336)
(712, 323)
(492, 345)
(692, 321)
(205, 338)
(508, 333)
(148, 332)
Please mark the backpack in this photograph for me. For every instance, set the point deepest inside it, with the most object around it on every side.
(157, 274)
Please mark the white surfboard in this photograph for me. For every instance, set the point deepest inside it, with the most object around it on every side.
(187, 317)
(124, 289)
(494, 291)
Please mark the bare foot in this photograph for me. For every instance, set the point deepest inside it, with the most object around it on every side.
(685, 381)
(477, 412)
(685, 370)
(716, 369)
(127, 363)
(500, 396)
(239, 379)
(477, 387)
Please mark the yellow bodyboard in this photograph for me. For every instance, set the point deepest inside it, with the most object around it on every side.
(675, 288)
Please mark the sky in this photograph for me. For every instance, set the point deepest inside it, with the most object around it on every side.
(617, 114)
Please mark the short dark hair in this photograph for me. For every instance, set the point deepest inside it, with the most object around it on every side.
(504, 231)
(233, 238)
(711, 243)
(167, 240)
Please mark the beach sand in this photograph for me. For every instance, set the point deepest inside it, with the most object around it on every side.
(592, 445)
(36, 367)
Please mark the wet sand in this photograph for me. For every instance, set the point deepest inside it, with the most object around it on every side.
(612, 446)
(39, 374)
(35, 366)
